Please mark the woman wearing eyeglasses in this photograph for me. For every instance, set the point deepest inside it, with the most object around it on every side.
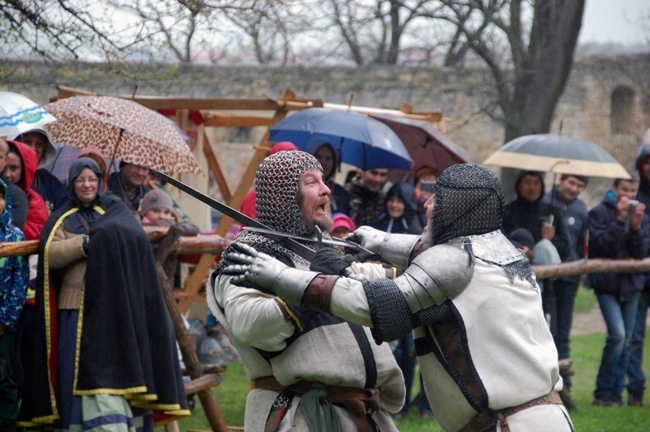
(104, 350)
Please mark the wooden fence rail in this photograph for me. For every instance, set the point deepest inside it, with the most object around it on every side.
(215, 244)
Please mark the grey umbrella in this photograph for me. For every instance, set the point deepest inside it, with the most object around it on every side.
(557, 153)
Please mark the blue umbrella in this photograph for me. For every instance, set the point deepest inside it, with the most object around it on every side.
(361, 141)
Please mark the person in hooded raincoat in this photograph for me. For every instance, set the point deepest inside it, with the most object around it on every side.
(45, 183)
(21, 169)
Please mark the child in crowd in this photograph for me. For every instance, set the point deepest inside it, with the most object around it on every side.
(14, 274)
(156, 210)
(342, 225)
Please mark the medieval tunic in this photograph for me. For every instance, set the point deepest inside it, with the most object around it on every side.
(293, 344)
(496, 352)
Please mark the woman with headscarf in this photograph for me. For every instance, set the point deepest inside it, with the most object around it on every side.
(104, 348)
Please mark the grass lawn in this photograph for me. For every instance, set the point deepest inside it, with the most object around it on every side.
(586, 352)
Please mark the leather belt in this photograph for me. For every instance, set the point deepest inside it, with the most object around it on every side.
(358, 402)
(485, 420)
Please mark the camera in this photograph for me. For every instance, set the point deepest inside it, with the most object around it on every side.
(633, 203)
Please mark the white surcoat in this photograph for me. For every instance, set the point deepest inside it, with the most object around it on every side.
(329, 354)
(499, 343)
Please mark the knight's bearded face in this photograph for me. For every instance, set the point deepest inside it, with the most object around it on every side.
(313, 200)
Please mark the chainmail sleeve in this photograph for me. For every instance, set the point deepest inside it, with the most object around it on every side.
(390, 314)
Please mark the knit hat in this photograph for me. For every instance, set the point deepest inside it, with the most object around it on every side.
(283, 146)
(155, 198)
(341, 220)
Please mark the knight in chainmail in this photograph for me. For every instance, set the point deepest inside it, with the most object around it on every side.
(309, 371)
(485, 351)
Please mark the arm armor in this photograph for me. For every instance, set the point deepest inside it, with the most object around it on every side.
(397, 248)
(391, 316)
(438, 274)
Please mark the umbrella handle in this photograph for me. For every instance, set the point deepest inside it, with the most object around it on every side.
(119, 140)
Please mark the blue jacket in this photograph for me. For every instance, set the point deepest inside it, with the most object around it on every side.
(613, 239)
(14, 271)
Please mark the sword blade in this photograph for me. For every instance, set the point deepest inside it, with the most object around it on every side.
(334, 242)
(289, 243)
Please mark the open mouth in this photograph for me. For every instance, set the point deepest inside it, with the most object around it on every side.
(323, 208)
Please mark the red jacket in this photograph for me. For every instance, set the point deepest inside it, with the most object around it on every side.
(37, 212)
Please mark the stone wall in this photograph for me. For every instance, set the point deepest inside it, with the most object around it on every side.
(585, 109)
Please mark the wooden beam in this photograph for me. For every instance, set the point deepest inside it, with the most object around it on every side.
(66, 92)
(212, 244)
(227, 104)
(219, 120)
(202, 383)
(198, 278)
(186, 343)
(215, 168)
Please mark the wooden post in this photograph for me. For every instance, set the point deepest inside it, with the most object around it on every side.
(166, 267)
(197, 279)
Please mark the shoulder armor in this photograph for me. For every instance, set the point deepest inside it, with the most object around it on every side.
(495, 248)
(438, 274)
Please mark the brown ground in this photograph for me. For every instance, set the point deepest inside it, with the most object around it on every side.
(591, 322)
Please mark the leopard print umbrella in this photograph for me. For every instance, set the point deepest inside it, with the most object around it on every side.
(124, 130)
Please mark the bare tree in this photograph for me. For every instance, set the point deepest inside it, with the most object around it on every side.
(181, 27)
(60, 30)
(270, 26)
(530, 62)
(373, 31)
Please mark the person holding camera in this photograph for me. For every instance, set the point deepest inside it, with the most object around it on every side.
(618, 229)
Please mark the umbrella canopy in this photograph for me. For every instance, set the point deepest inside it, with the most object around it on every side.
(558, 153)
(19, 114)
(124, 130)
(425, 143)
(64, 157)
(360, 140)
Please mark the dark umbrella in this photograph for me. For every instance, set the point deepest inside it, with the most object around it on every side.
(425, 143)
(360, 140)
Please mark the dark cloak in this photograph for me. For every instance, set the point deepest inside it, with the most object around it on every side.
(136, 354)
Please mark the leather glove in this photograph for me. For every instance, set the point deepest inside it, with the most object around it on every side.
(328, 261)
(368, 237)
(267, 272)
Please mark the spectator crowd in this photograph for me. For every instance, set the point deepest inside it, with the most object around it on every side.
(549, 225)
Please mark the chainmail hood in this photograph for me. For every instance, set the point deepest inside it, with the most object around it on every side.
(276, 183)
(468, 201)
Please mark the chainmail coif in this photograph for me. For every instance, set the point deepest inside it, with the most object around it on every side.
(276, 183)
(468, 201)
